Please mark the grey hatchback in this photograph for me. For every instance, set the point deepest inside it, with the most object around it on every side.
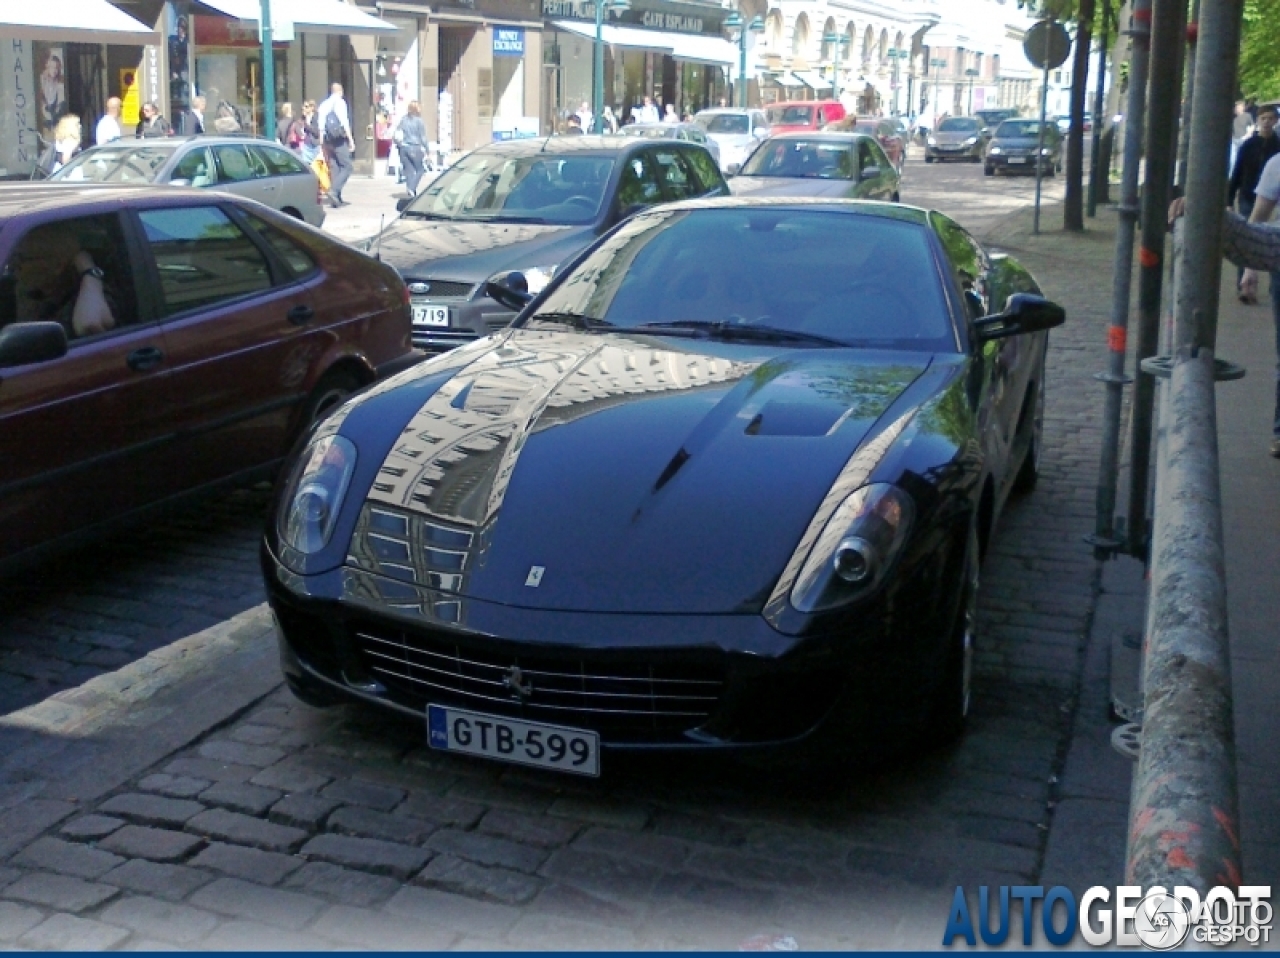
(258, 169)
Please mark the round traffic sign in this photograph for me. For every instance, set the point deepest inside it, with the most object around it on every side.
(1047, 45)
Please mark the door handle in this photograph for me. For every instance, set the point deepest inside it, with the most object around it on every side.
(300, 315)
(144, 358)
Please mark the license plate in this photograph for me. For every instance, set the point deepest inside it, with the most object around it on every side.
(1017, 159)
(431, 315)
(513, 740)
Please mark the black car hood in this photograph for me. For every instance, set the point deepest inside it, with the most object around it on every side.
(599, 473)
(790, 186)
(469, 251)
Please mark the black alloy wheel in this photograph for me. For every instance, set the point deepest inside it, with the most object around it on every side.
(331, 392)
(1029, 472)
(949, 710)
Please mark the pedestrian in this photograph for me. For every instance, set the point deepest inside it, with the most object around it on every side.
(1252, 157)
(66, 140)
(152, 123)
(573, 125)
(228, 119)
(411, 135)
(193, 119)
(285, 127)
(108, 127)
(1241, 126)
(608, 121)
(334, 119)
(310, 147)
(669, 114)
(585, 116)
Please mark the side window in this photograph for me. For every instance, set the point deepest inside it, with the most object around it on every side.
(196, 167)
(675, 175)
(202, 257)
(822, 118)
(967, 260)
(639, 183)
(278, 162)
(866, 156)
(44, 277)
(705, 167)
(297, 261)
(235, 165)
(882, 158)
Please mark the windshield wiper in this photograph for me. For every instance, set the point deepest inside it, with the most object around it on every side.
(423, 215)
(725, 330)
(577, 320)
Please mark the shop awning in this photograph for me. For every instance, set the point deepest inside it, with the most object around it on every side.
(786, 79)
(813, 80)
(701, 48)
(312, 16)
(73, 21)
(632, 38)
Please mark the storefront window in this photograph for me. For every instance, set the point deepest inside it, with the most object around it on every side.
(228, 73)
(396, 79)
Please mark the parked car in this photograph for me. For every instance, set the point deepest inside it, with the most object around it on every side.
(811, 115)
(1016, 144)
(956, 138)
(994, 117)
(735, 132)
(259, 169)
(887, 131)
(690, 132)
(154, 342)
(847, 165)
(527, 205)
(725, 485)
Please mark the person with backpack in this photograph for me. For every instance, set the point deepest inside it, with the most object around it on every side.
(288, 128)
(411, 135)
(335, 130)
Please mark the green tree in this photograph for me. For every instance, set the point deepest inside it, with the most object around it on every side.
(1260, 50)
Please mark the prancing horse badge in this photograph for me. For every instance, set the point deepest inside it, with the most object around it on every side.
(535, 576)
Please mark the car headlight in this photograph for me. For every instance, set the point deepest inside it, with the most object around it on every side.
(932, 141)
(995, 151)
(536, 277)
(1046, 152)
(315, 492)
(972, 140)
(856, 550)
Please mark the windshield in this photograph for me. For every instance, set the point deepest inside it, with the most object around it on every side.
(107, 164)
(817, 159)
(725, 123)
(812, 274)
(1018, 129)
(959, 124)
(798, 115)
(542, 188)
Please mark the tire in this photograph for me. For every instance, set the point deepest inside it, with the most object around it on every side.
(290, 211)
(896, 197)
(949, 710)
(331, 392)
(988, 171)
(928, 158)
(1029, 472)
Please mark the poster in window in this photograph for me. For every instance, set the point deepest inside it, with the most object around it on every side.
(51, 86)
(177, 31)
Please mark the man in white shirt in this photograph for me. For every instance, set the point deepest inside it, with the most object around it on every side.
(109, 126)
(337, 141)
(1268, 196)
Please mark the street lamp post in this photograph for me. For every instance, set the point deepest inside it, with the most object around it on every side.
(268, 71)
(597, 84)
(835, 41)
(896, 55)
(938, 64)
(735, 24)
(971, 73)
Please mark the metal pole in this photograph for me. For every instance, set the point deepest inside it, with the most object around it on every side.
(1184, 141)
(1167, 46)
(742, 68)
(597, 78)
(1099, 107)
(1184, 818)
(835, 73)
(1200, 266)
(1044, 111)
(268, 72)
(1104, 536)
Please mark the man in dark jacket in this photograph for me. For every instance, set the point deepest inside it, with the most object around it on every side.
(1252, 157)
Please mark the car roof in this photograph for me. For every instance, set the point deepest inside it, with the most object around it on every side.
(776, 106)
(889, 211)
(589, 144)
(17, 198)
(715, 110)
(835, 136)
(173, 142)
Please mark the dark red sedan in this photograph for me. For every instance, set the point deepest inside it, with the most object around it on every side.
(155, 342)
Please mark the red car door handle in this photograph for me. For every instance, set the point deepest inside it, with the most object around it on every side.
(147, 357)
(300, 315)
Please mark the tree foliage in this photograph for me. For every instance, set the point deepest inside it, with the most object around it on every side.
(1260, 50)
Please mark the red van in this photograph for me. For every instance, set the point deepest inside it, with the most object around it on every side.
(804, 115)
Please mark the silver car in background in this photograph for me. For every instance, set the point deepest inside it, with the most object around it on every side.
(259, 169)
(689, 132)
(736, 132)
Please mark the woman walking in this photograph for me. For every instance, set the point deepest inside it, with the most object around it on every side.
(310, 146)
(411, 134)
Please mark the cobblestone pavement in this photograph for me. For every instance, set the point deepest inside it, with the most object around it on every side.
(185, 800)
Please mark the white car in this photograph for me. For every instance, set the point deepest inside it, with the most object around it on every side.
(735, 131)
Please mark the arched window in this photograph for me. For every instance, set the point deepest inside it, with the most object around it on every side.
(800, 37)
(868, 41)
(884, 47)
(828, 48)
(773, 31)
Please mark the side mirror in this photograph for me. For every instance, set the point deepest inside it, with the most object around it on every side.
(869, 173)
(403, 203)
(733, 169)
(1024, 313)
(512, 291)
(23, 343)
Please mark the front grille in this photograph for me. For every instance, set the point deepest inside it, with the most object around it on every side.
(443, 288)
(624, 696)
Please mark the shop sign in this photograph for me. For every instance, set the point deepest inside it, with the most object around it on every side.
(508, 41)
(19, 148)
(213, 31)
(676, 22)
(569, 9)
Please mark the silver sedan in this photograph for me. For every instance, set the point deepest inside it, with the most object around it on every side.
(674, 131)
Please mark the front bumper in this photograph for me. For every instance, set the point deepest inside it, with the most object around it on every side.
(1018, 163)
(954, 152)
(652, 682)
